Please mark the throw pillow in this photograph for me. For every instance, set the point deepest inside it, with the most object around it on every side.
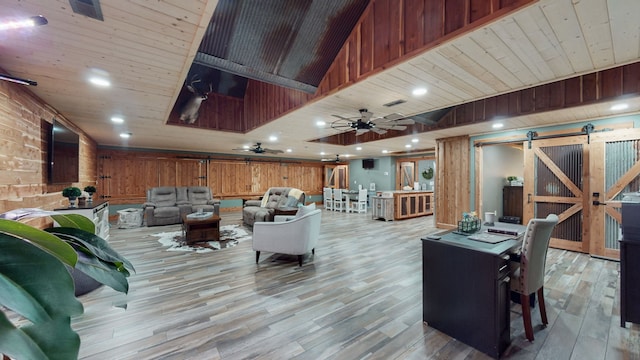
(303, 210)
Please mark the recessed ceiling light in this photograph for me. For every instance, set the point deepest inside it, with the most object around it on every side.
(273, 138)
(99, 81)
(289, 150)
(30, 22)
(385, 151)
(359, 148)
(246, 146)
(117, 119)
(618, 107)
(322, 153)
(320, 123)
(419, 91)
(415, 141)
(408, 146)
(125, 135)
(497, 125)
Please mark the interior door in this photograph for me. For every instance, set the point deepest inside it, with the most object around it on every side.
(615, 165)
(336, 176)
(407, 174)
(555, 170)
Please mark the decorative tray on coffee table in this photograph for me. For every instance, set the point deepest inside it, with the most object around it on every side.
(199, 216)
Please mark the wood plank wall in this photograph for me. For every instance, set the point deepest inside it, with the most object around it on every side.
(23, 150)
(453, 180)
(125, 175)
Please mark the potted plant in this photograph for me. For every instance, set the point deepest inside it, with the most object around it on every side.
(72, 193)
(90, 189)
(39, 286)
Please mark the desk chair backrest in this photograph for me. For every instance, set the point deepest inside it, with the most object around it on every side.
(534, 253)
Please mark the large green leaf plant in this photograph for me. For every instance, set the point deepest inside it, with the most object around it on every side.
(36, 288)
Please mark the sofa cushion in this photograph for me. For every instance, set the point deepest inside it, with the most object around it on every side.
(166, 211)
(199, 195)
(163, 196)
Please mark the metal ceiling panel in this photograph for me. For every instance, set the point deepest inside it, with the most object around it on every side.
(290, 43)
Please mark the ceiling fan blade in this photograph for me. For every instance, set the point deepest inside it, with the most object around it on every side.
(361, 131)
(341, 117)
(379, 131)
(394, 116)
(398, 127)
(272, 151)
(386, 126)
(366, 115)
(241, 149)
(405, 122)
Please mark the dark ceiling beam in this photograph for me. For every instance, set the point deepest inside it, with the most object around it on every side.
(237, 69)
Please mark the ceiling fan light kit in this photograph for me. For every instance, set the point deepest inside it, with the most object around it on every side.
(365, 123)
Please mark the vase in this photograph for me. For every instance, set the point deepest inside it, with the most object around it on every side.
(72, 202)
(90, 199)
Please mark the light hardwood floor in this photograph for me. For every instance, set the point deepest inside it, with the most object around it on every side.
(359, 297)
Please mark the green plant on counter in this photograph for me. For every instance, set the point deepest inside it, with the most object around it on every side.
(512, 178)
(36, 284)
(428, 174)
(71, 192)
(90, 189)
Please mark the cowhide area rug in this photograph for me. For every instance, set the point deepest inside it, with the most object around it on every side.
(230, 235)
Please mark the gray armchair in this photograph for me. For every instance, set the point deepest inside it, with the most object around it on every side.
(296, 236)
(527, 274)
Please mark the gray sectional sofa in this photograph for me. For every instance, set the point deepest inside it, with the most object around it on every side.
(167, 204)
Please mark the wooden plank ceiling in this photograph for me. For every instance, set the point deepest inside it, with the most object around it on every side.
(147, 48)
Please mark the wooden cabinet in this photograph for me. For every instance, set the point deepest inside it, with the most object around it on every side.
(382, 208)
(97, 212)
(512, 202)
(629, 280)
(466, 291)
(408, 205)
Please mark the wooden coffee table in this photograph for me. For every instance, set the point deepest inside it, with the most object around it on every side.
(204, 229)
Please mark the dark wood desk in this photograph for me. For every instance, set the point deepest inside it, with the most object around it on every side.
(466, 290)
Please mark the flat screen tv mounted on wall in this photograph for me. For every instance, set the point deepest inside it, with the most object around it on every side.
(63, 154)
(368, 163)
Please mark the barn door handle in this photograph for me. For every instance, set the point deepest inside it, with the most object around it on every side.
(596, 203)
(528, 198)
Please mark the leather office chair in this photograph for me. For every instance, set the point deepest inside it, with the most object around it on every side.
(327, 198)
(527, 274)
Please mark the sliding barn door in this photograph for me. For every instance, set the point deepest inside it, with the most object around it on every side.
(615, 169)
(555, 170)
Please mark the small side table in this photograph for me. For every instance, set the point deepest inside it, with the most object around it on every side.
(129, 218)
(205, 229)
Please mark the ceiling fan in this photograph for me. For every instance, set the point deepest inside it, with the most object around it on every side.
(365, 122)
(258, 149)
(336, 160)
